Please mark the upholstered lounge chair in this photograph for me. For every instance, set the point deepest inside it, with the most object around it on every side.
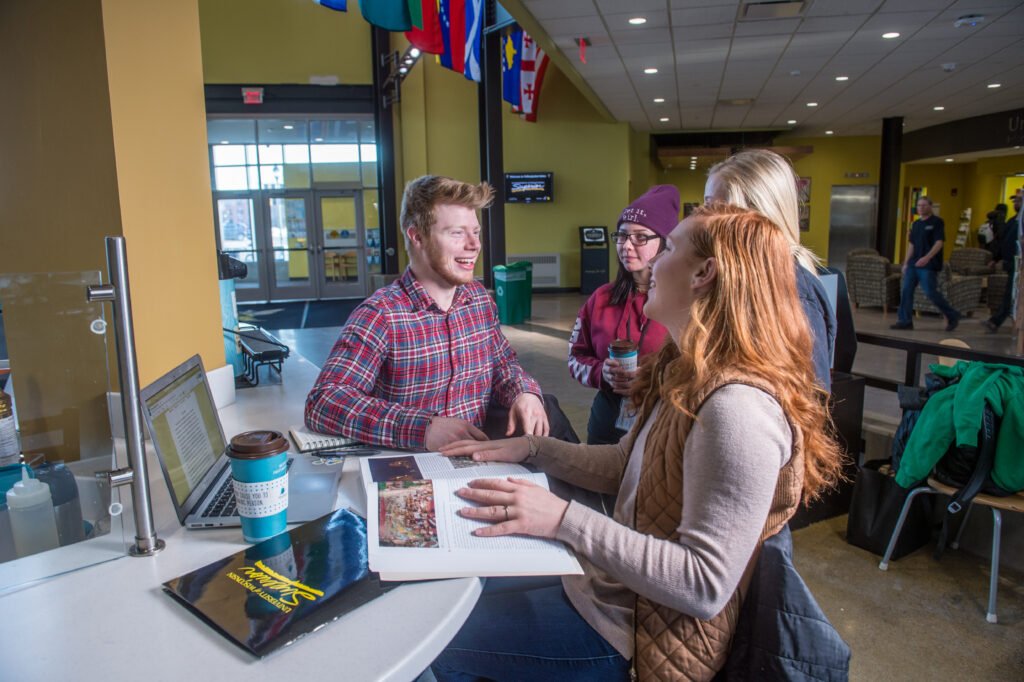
(872, 279)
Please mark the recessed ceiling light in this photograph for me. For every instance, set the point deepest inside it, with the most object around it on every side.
(693, 158)
(812, 104)
(995, 85)
(791, 122)
(289, 127)
(636, 21)
(664, 119)
(414, 52)
(829, 132)
(939, 108)
(651, 70)
(842, 78)
(318, 139)
(224, 142)
(659, 100)
(949, 160)
(890, 35)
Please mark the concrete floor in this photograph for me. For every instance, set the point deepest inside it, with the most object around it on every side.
(922, 618)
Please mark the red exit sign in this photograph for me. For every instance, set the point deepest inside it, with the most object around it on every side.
(252, 95)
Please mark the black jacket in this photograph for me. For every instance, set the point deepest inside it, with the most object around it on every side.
(782, 633)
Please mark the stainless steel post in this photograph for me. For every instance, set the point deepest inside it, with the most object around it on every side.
(146, 541)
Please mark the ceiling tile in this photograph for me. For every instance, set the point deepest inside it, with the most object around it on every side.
(636, 7)
(831, 24)
(546, 9)
(575, 26)
(831, 8)
(698, 16)
(767, 27)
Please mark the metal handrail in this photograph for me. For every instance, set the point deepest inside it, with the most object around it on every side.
(915, 349)
(117, 293)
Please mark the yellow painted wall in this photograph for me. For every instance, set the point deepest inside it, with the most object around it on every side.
(590, 160)
(827, 166)
(946, 183)
(156, 84)
(283, 41)
(104, 135)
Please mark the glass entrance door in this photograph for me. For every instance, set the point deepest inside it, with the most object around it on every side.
(342, 244)
(289, 258)
(236, 233)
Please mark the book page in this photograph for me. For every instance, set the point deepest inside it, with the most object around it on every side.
(415, 529)
(433, 465)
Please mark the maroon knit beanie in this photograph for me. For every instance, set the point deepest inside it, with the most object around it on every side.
(657, 210)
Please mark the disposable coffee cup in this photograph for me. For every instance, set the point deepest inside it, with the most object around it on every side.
(259, 467)
(625, 352)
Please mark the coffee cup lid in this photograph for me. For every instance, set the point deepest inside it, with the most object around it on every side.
(257, 444)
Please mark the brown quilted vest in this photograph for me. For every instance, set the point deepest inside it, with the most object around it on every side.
(671, 645)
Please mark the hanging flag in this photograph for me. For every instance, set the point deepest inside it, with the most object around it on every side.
(474, 30)
(392, 15)
(453, 31)
(511, 49)
(428, 36)
(338, 5)
(533, 64)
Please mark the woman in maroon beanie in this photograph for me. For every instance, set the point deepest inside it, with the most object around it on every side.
(616, 311)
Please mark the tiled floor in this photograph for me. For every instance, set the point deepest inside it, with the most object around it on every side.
(920, 620)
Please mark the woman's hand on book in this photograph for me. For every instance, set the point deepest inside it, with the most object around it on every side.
(514, 506)
(506, 450)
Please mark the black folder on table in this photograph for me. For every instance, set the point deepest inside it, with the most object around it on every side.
(272, 593)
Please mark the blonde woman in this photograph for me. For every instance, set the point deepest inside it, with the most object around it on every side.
(763, 181)
(732, 431)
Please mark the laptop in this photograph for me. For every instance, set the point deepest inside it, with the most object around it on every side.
(191, 448)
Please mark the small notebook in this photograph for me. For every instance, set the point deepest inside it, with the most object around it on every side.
(311, 441)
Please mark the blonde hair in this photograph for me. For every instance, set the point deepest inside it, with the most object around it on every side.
(750, 320)
(426, 192)
(764, 181)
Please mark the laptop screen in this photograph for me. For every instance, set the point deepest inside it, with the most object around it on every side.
(184, 425)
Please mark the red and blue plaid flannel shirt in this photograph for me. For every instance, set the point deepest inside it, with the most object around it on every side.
(401, 360)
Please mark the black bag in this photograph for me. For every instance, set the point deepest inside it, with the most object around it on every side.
(875, 508)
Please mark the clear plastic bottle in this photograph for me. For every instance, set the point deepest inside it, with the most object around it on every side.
(33, 523)
(66, 505)
(9, 447)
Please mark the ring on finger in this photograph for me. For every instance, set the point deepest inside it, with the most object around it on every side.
(506, 512)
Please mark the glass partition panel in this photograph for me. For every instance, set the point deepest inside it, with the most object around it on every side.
(58, 379)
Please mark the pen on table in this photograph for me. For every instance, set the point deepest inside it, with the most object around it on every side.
(341, 452)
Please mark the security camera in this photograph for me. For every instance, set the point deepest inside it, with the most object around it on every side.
(971, 20)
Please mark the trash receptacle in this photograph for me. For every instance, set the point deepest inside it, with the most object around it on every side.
(528, 287)
(593, 258)
(511, 293)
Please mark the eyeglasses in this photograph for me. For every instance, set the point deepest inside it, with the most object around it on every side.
(638, 239)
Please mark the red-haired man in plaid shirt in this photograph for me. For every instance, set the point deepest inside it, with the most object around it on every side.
(419, 361)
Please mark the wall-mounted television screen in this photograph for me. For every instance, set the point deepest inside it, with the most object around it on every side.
(527, 187)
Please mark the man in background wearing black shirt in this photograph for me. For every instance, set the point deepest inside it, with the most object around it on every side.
(923, 264)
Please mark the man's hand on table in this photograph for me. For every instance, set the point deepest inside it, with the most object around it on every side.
(527, 412)
(444, 430)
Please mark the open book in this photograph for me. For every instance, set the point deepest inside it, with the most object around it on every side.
(414, 530)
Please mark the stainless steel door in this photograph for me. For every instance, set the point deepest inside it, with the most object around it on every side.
(853, 215)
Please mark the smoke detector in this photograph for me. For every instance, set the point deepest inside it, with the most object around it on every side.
(971, 20)
(949, 67)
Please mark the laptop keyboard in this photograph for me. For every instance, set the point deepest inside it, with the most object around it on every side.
(223, 502)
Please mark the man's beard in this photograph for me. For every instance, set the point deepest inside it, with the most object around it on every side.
(438, 263)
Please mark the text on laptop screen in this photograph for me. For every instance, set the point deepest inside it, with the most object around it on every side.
(185, 426)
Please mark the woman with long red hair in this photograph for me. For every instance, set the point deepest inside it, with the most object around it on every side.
(732, 432)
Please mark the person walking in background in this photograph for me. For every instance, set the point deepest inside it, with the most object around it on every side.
(1006, 251)
(616, 311)
(924, 261)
